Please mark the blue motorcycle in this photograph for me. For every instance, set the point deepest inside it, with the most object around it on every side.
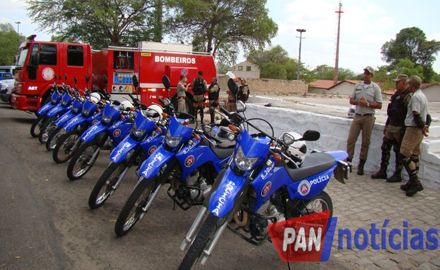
(109, 132)
(261, 185)
(41, 113)
(59, 123)
(55, 113)
(69, 139)
(145, 137)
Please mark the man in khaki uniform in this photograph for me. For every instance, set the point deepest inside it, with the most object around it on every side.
(417, 123)
(394, 130)
(367, 97)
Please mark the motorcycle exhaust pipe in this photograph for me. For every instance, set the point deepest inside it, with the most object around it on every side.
(207, 252)
(190, 234)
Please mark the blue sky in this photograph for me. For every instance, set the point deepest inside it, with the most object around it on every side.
(365, 26)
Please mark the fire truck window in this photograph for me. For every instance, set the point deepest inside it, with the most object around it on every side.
(48, 54)
(75, 55)
(123, 60)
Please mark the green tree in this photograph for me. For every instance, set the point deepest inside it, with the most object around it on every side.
(9, 42)
(411, 43)
(274, 63)
(222, 26)
(99, 22)
(325, 72)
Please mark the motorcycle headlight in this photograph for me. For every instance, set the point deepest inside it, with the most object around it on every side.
(172, 141)
(138, 133)
(64, 103)
(75, 109)
(242, 162)
(106, 119)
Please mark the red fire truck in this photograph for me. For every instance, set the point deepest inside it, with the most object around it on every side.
(43, 63)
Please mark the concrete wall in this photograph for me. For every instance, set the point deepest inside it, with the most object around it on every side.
(432, 93)
(334, 133)
(270, 86)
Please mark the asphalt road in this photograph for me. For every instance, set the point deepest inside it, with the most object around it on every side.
(45, 222)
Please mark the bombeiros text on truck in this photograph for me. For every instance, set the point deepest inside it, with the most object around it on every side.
(40, 64)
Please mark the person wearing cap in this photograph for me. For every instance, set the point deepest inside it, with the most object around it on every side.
(417, 123)
(394, 130)
(213, 95)
(367, 97)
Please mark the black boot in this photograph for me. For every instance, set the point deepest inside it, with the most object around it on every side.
(405, 186)
(381, 173)
(212, 117)
(414, 186)
(201, 116)
(396, 177)
(360, 170)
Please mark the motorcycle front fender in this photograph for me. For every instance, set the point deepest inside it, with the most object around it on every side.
(45, 109)
(154, 163)
(64, 118)
(59, 109)
(91, 133)
(224, 197)
(74, 122)
(120, 152)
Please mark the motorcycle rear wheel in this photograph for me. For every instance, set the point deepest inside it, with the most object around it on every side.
(317, 204)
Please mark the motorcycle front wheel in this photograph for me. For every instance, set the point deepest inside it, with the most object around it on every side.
(46, 130)
(134, 208)
(53, 138)
(36, 126)
(66, 146)
(104, 188)
(82, 160)
(204, 236)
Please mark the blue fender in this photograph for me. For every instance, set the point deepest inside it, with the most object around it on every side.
(120, 152)
(338, 155)
(154, 163)
(90, 134)
(64, 118)
(45, 108)
(59, 109)
(223, 199)
(79, 119)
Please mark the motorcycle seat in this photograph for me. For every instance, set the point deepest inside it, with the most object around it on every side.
(220, 152)
(312, 164)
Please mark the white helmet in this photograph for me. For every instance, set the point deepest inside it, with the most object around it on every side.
(154, 111)
(95, 97)
(125, 105)
(298, 148)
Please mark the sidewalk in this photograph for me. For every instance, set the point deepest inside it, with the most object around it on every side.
(363, 201)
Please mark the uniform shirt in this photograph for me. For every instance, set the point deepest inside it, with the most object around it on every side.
(397, 108)
(181, 90)
(418, 103)
(371, 92)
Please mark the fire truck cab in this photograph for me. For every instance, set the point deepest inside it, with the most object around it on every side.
(114, 68)
(41, 63)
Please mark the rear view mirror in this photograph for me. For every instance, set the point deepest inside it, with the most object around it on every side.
(311, 135)
(166, 82)
(135, 81)
(288, 139)
(241, 107)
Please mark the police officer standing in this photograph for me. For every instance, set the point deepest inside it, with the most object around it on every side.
(394, 130)
(417, 123)
(367, 97)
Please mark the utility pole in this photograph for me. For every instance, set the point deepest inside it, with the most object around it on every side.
(299, 57)
(336, 70)
(18, 27)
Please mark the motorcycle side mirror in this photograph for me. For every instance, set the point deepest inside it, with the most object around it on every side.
(135, 81)
(241, 107)
(166, 82)
(311, 135)
(288, 139)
